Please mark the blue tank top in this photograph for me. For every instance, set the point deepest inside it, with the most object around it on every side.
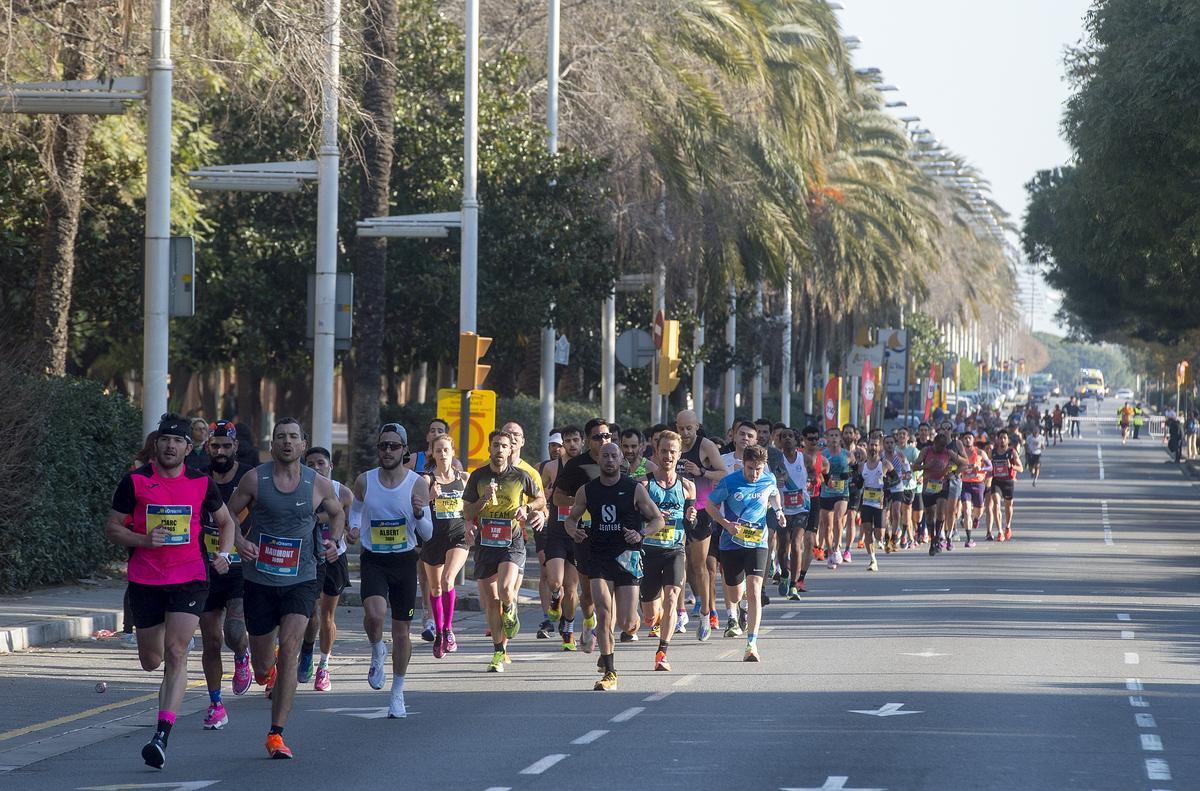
(670, 501)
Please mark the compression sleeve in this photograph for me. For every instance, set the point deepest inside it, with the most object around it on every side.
(423, 524)
(356, 511)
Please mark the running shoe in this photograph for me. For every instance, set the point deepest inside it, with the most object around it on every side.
(934, 548)
(794, 594)
(661, 663)
(703, 631)
(861, 544)
(512, 624)
(322, 682)
(818, 553)
(430, 631)
(846, 556)
(276, 748)
(949, 545)
(216, 719)
(607, 682)
(696, 608)
(449, 643)
(743, 618)
(628, 637)
(872, 566)
(439, 648)
(507, 658)
(989, 537)
(545, 629)
(1008, 534)
(681, 622)
(155, 751)
(655, 631)
(832, 563)
(732, 629)
(269, 687)
(764, 598)
(241, 674)
(396, 709)
(712, 621)
(554, 613)
(783, 586)
(128, 638)
(970, 543)
(304, 667)
(376, 672)
(497, 663)
(589, 640)
(751, 654)
(800, 587)
(776, 575)
(568, 643)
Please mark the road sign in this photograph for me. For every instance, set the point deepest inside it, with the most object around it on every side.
(562, 351)
(635, 348)
(895, 344)
(482, 420)
(659, 321)
(863, 354)
(343, 311)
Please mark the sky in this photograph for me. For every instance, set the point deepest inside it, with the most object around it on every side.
(986, 78)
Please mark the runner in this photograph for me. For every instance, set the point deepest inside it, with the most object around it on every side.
(388, 515)
(1124, 418)
(934, 463)
(334, 578)
(975, 473)
(223, 616)
(899, 497)
(737, 612)
(517, 433)
(700, 463)
(1006, 464)
(920, 525)
(856, 454)
(633, 463)
(556, 454)
(664, 553)
(499, 500)
(815, 468)
(1034, 446)
(558, 557)
(279, 563)
(445, 554)
(875, 474)
(835, 494)
(421, 462)
(795, 539)
(623, 511)
(739, 505)
(168, 577)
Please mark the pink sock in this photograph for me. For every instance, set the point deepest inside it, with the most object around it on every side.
(448, 599)
(166, 716)
(435, 605)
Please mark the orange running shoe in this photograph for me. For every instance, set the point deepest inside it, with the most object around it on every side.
(660, 661)
(276, 748)
(818, 553)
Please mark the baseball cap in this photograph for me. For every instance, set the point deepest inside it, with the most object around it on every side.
(397, 428)
(555, 439)
(223, 428)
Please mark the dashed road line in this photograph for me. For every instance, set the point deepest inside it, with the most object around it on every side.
(1122, 616)
(542, 764)
(1151, 743)
(1157, 769)
(685, 680)
(1108, 536)
(1126, 634)
(589, 737)
(1100, 461)
(1131, 658)
(628, 714)
(656, 697)
(1145, 720)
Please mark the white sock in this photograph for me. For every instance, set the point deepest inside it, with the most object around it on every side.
(397, 683)
(730, 613)
(325, 658)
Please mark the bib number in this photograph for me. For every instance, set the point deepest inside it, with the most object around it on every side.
(837, 487)
(277, 556)
(175, 519)
(749, 535)
(389, 535)
(793, 499)
(933, 487)
(448, 508)
(669, 535)
(631, 561)
(873, 497)
(495, 532)
(212, 545)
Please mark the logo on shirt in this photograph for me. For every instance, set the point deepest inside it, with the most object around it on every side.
(608, 514)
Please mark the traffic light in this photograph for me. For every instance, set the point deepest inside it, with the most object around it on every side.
(470, 372)
(668, 359)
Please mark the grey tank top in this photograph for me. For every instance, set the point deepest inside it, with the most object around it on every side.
(283, 529)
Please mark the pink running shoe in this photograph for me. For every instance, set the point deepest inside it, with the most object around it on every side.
(217, 718)
(439, 649)
(846, 556)
(449, 643)
(241, 674)
(322, 682)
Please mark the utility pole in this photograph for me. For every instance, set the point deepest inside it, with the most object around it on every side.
(548, 335)
(327, 224)
(157, 324)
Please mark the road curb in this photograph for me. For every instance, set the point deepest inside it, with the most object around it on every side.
(20, 638)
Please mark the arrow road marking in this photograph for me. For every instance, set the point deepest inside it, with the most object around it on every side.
(834, 783)
(886, 710)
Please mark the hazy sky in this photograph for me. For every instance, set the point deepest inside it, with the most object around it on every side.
(985, 77)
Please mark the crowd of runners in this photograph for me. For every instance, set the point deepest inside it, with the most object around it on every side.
(636, 532)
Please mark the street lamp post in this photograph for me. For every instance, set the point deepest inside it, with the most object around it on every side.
(548, 338)
(470, 198)
(157, 286)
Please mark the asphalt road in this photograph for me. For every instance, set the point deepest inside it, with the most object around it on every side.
(1066, 659)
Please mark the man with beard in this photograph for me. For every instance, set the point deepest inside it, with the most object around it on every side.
(279, 563)
(700, 462)
(156, 513)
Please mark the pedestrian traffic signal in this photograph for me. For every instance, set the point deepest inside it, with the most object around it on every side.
(470, 372)
(668, 359)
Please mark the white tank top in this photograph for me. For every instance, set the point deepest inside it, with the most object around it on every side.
(872, 478)
(387, 520)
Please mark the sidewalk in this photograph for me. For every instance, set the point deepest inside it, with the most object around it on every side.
(75, 612)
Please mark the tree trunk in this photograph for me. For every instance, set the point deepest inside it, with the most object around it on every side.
(370, 266)
(67, 155)
(249, 399)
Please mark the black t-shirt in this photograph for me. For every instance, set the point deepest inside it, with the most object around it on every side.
(575, 473)
(613, 511)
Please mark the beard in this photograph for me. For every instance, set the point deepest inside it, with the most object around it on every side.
(222, 464)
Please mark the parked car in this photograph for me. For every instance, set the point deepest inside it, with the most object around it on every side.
(1123, 394)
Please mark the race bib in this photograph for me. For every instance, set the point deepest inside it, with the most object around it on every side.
(278, 556)
(631, 561)
(749, 535)
(495, 532)
(873, 497)
(669, 535)
(836, 487)
(933, 487)
(212, 545)
(448, 507)
(389, 535)
(793, 499)
(175, 519)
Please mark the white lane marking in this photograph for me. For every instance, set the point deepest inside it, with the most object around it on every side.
(1138, 702)
(1157, 769)
(886, 710)
(498, 788)
(1133, 685)
(787, 616)
(685, 680)
(1126, 634)
(1145, 720)
(1122, 616)
(589, 737)
(1100, 461)
(727, 654)
(656, 697)
(1151, 743)
(925, 654)
(834, 783)
(186, 785)
(628, 714)
(1019, 590)
(542, 764)
(1108, 537)
(1131, 658)
(924, 590)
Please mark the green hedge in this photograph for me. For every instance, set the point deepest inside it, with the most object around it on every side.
(77, 441)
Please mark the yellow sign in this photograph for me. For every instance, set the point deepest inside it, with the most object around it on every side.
(482, 414)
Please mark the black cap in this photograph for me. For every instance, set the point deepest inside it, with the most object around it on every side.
(175, 426)
(223, 428)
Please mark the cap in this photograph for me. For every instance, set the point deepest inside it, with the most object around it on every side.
(223, 428)
(555, 439)
(394, 427)
(175, 426)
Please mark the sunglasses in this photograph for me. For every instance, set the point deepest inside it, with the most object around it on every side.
(390, 445)
(598, 437)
